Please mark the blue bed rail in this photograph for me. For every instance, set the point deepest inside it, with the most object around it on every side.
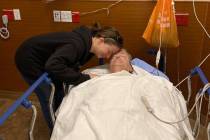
(23, 99)
(198, 70)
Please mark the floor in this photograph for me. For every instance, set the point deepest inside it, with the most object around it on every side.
(17, 126)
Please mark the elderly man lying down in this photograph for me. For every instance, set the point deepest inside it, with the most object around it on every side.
(118, 106)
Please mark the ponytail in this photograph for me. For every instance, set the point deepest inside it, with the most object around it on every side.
(95, 28)
(110, 34)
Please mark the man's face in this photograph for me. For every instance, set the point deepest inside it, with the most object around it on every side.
(120, 61)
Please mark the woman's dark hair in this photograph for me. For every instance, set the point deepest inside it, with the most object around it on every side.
(110, 34)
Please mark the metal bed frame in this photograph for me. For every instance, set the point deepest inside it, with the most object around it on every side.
(198, 71)
(23, 100)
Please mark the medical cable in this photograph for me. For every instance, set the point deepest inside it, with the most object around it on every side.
(169, 122)
(208, 131)
(189, 87)
(189, 75)
(206, 32)
(51, 101)
(157, 61)
(195, 13)
(158, 55)
(150, 109)
(161, 32)
(4, 32)
(196, 129)
(32, 122)
(208, 112)
(182, 81)
(207, 99)
(199, 116)
(203, 29)
(204, 60)
(178, 64)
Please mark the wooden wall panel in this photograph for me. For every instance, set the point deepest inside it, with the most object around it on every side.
(182, 60)
(130, 17)
(205, 51)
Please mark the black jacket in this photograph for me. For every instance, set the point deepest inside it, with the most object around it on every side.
(60, 54)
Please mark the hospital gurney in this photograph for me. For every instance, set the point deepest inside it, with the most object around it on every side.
(81, 115)
(23, 100)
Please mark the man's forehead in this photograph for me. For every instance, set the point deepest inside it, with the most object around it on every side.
(122, 54)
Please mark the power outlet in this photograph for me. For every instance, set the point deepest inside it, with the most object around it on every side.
(66, 16)
(16, 13)
(75, 17)
(57, 16)
(12, 14)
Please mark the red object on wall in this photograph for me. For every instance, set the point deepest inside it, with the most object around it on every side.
(182, 19)
(9, 13)
(75, 17)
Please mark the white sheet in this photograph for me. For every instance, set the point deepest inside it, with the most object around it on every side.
(103, 70)
(110, 108)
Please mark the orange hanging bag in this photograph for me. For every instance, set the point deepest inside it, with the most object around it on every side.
(162, 26)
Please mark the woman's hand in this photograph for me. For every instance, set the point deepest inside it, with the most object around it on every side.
(92, 75)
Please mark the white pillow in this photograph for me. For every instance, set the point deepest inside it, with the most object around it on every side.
(103, 69)
(98, 70)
